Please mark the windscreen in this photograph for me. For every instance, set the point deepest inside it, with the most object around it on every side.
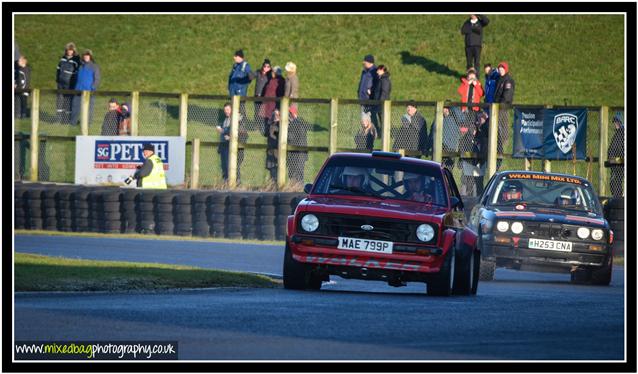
(546, 191)
(383, 179)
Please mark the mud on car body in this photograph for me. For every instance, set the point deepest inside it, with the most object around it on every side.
(385, 217)
(543, 222)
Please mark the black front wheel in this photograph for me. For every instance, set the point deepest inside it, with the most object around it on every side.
(297, 275)
(442, 284)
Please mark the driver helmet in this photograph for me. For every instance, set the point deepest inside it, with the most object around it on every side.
(512, 190)
(355, 171)
(569, 196)
(410, 177)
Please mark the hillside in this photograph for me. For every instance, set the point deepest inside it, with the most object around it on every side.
(553, 58)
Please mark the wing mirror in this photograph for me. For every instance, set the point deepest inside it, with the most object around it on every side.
(456, 203)
(307, 188)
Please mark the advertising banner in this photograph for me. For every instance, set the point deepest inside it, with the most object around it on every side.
(565, 131)
(109, 160)
(528, 133)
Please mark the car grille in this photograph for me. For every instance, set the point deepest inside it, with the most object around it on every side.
(550, 230)
(384, 229)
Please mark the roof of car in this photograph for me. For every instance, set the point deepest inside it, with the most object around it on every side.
(504, 172)
(411, 160)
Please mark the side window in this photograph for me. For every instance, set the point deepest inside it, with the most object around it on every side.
(488, 187)
(453, 190)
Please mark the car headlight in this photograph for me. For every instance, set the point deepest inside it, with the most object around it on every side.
(310, 222)
(502, 226)
(517, 227)
(597, 234)
(583, 232)
(425, 232)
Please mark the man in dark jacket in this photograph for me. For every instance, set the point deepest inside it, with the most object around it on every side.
(22, 81)
(65, 78)
(617, 150)
(367, 84)
(382, 91)
(504, 96)
(473, 31)
(112, 118)
(261, 77)
(413, 133)
(491, 77)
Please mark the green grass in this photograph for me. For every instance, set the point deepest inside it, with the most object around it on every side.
(552, 57)
(148, 237)
(44, 273)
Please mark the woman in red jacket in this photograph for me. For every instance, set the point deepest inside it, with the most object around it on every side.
(470, 90)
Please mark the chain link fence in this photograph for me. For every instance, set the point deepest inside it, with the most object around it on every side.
(615, 166)
(359, 127)
(411, 128)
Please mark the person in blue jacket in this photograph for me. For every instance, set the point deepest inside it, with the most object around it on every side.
(491, 76)
(88, 79)
(239, 77)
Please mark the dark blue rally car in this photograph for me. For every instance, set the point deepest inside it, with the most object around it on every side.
(543, 222)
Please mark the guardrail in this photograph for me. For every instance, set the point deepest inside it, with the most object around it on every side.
(321, 127)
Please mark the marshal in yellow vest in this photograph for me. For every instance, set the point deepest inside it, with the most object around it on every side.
(157, 178)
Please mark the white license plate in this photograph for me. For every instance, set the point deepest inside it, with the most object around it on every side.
(551, 245)
(365, 245)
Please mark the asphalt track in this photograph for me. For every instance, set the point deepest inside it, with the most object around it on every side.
(519, 316)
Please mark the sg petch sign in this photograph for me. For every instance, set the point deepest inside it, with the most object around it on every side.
(111, 159)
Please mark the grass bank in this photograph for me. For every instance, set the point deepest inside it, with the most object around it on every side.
(44, 273)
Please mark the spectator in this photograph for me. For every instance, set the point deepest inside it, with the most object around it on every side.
(470, 90)
(261, 77)
(65, 78)
(292, 86)
(367, 84)
(413, 133)
(617, 150)
(491, 77)
(504, 95)
(274, 88)
(224, 142)
(467, 162)
(239, 79)
(272, 145)
(473, 31)
(382, 91)
(22, 81)
(364, 139)
(451, 134)
(125, 121)
(112, 119)
(88, 79)
(480, 148)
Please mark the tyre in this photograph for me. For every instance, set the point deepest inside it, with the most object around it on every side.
(442, 284)
(111, 207)
(464, 273)
(182, 209)
(200, 207)
(602, 276)
(183, 218)
(486, 270)
(148, 207)
(297, 275)
(164, 208)
(164, 198)
(267, 210)
(183, 198)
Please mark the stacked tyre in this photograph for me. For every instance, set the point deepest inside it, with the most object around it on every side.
(164, 221)
(265, 222)
(64, 209)
(615, 212)
(49, 218)
(233, 217)
(183, 213)
(284, 203)
(20, 211)
(80, 210)
(217, 214)
(33, 201)
(146, 212)
(249, 215)
(200, 214)
(110, 216)
(129, 209)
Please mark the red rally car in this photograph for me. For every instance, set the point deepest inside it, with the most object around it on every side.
(385, 217)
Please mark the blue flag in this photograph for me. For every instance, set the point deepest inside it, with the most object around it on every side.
(565, 131)
(528, 133)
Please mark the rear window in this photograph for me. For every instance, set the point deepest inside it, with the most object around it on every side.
(382, 178)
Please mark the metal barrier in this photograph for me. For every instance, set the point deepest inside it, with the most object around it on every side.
(302, 138)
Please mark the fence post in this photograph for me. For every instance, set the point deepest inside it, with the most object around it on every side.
(334, 115)
(35, 140)
(283, 142)
(387, 125)
(492, 143)
(183, 114)
(195, 165)
(233, 143)
(547, 164)
(437, 139)
(84, 112)
(528, 164)
(602, 150)
(135, 112)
